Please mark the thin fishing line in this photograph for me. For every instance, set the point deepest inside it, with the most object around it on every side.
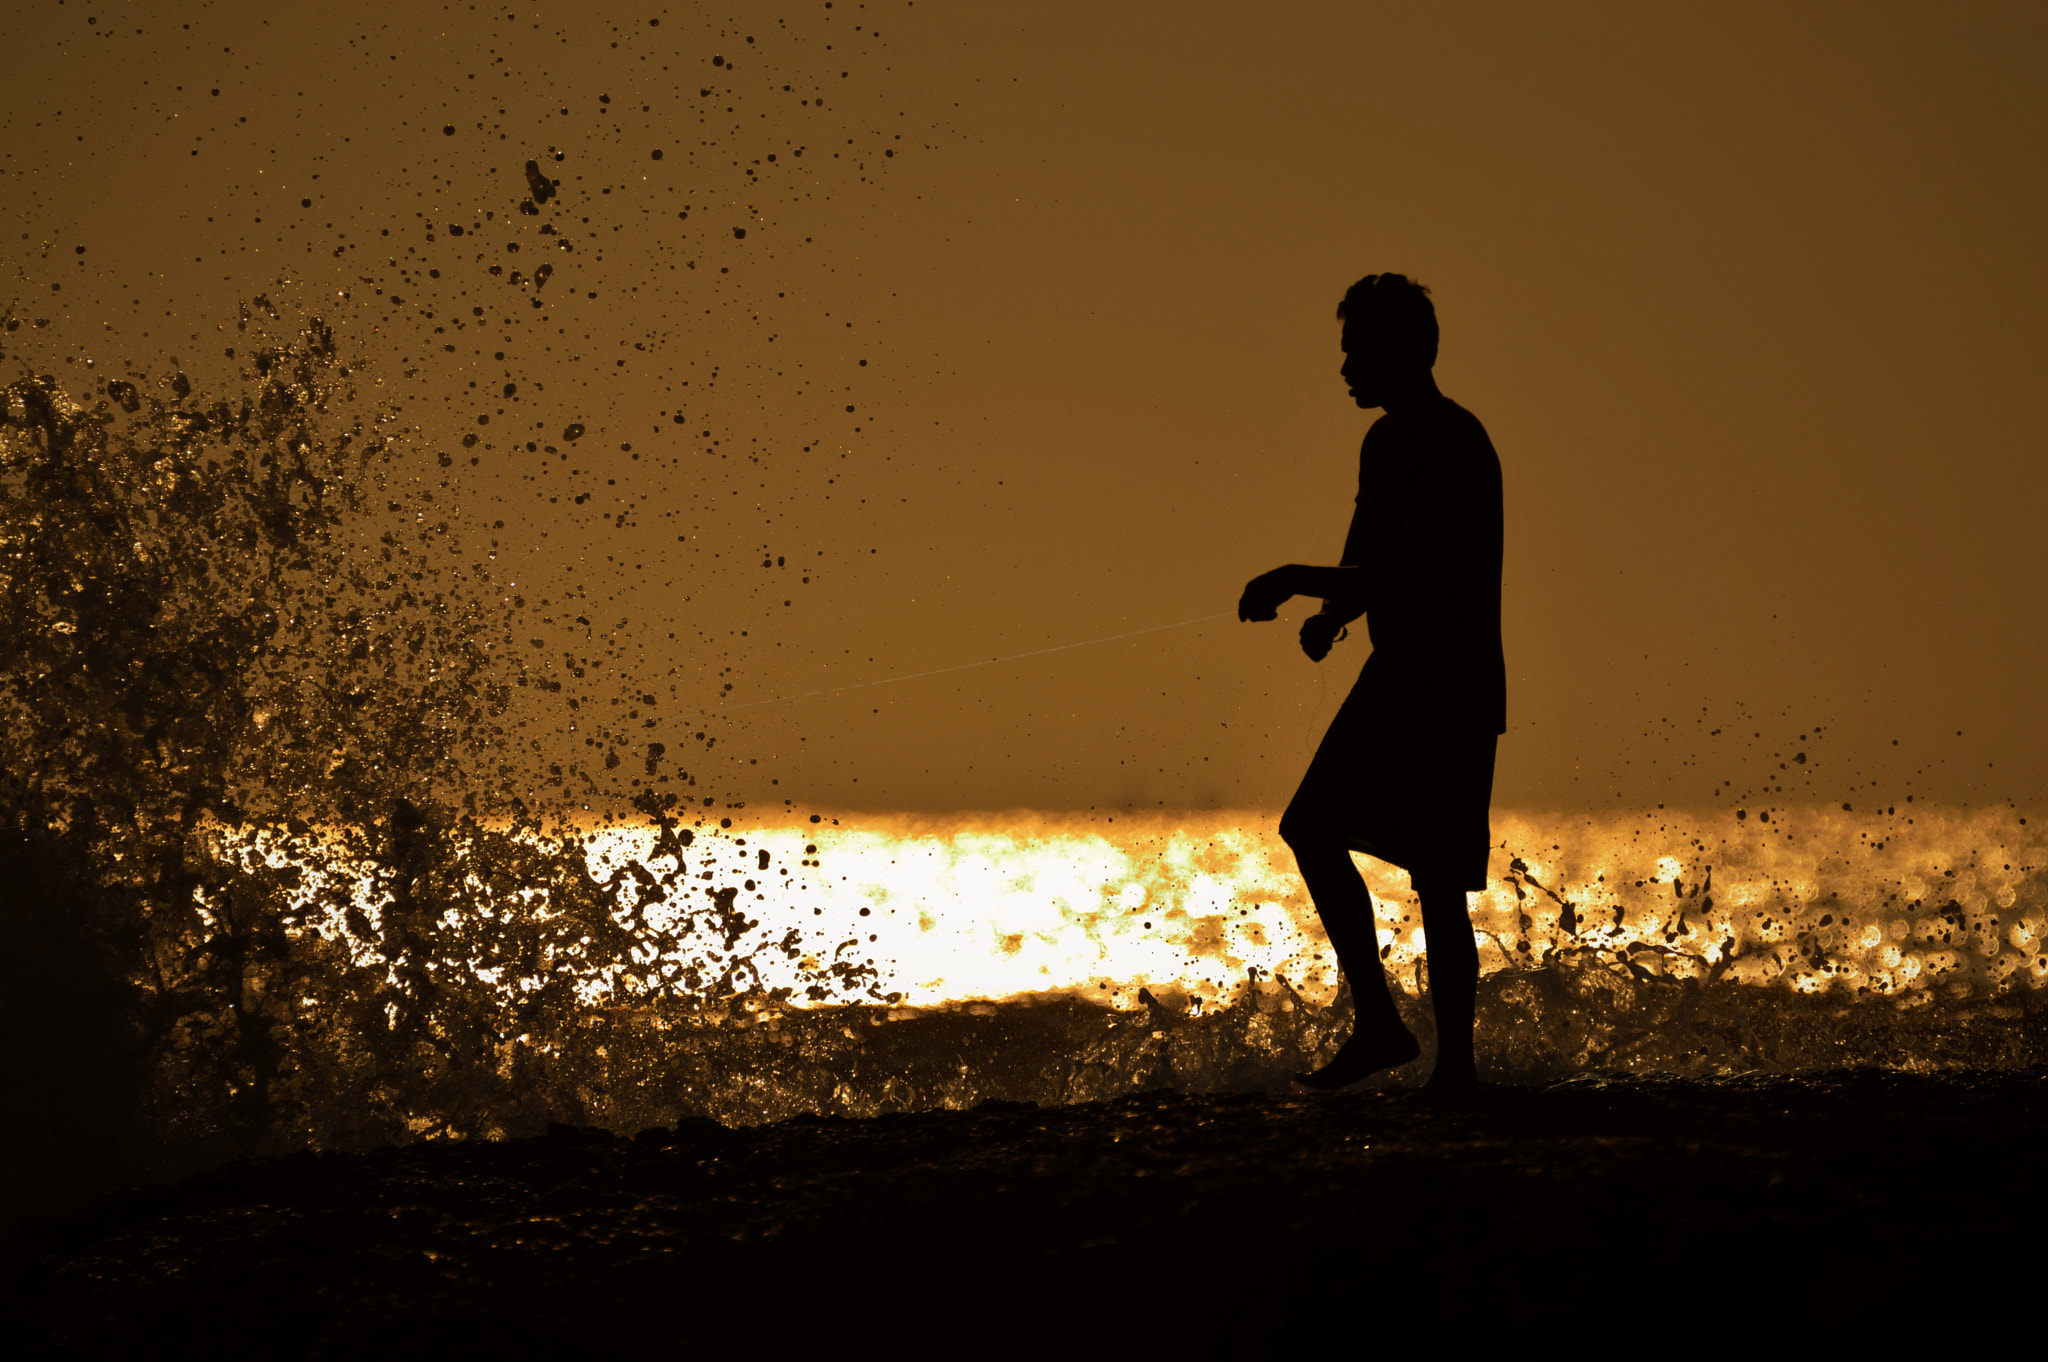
(969, 666)
(1308, 737)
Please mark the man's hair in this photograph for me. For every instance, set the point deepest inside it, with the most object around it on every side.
(1396, 309)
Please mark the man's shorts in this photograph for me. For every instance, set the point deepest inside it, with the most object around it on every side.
(1403, 788)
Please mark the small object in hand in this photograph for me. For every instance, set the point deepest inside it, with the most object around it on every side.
(1318, 633)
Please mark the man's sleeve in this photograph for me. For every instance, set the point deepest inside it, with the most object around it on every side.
(1357, 538)
(1358, 544)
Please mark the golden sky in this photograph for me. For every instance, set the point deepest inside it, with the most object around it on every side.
(1750, 298)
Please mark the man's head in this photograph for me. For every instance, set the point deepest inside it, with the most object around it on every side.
(1390, 337)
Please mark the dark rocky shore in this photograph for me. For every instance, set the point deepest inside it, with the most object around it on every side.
(1218, 1224)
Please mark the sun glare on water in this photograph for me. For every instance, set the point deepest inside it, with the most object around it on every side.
(936, 912)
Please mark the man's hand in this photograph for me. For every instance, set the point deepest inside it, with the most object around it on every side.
(1318, 633)
(1266, 593)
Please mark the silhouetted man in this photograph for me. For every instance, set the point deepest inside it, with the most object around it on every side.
(1405, 772)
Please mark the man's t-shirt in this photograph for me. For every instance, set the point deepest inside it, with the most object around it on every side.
(1427, 531)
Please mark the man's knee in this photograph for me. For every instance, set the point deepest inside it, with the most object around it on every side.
(1445, 908)
(1440, 895)
(1304, 832)
(1447, 917)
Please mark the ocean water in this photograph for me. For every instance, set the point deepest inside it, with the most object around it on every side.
(278, 875)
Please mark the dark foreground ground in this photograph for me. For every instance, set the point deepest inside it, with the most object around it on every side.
(1217, 1225)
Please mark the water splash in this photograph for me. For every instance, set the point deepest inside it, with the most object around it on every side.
(209, 624)
(275, 875)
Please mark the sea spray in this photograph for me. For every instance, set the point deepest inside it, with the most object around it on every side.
(278, 874)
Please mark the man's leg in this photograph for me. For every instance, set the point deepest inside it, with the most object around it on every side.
(1453, 980)
(1345, 906)
(1378, 1039)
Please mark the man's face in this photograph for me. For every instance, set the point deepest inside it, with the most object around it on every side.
(1365, 366)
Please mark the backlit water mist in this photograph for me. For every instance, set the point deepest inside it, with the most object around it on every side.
(394, 602)
(276, 881)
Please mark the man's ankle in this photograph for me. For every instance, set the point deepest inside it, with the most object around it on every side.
(1385, 1023)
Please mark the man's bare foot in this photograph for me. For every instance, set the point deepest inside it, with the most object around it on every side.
(1361, 1057)
(1452, 1077)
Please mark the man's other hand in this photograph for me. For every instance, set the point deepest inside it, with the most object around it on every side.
(1264, 595)
(1318, 633)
